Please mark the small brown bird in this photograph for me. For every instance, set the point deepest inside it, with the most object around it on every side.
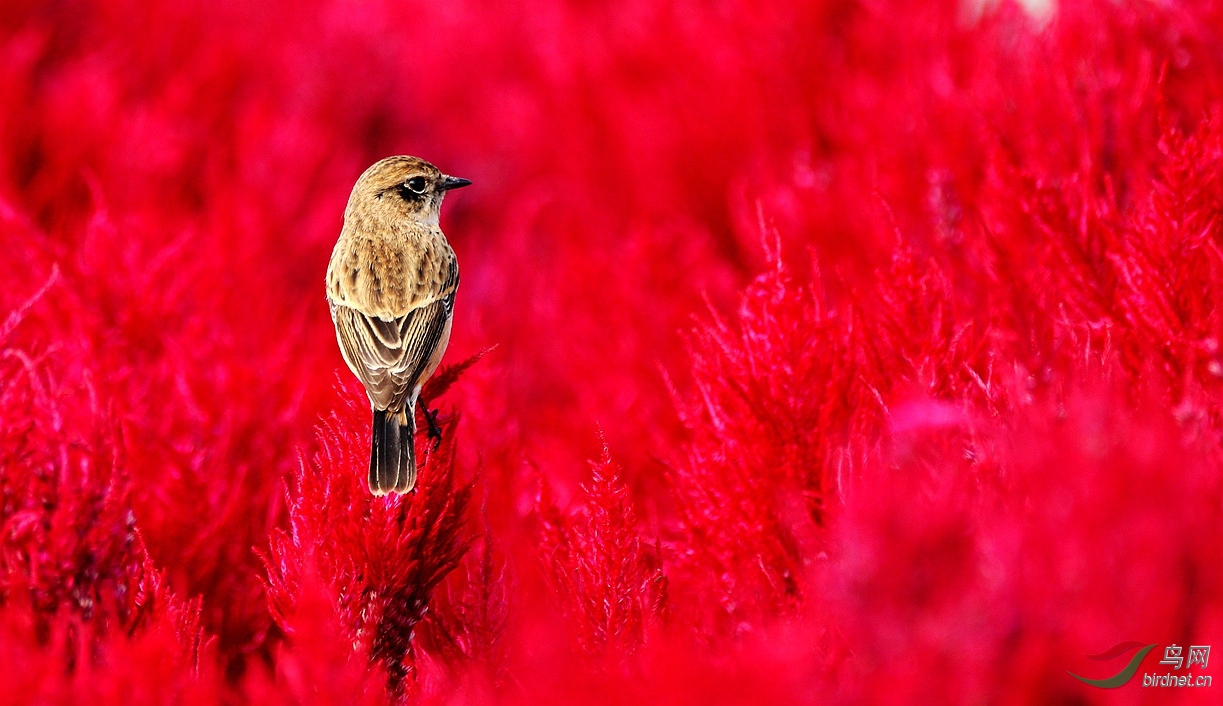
(391, 285)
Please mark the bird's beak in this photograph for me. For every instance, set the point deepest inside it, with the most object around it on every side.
(450, 182)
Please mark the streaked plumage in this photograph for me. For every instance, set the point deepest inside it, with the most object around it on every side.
(391, 285)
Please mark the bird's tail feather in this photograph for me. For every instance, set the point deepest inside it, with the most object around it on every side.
(392, 463)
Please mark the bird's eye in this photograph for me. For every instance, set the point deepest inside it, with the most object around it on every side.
(416, 184)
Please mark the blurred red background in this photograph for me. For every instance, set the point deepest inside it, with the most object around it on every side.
(834, 351)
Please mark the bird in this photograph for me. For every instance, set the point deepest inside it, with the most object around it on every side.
(391, 284)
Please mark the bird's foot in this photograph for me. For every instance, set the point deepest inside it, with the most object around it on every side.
(435, 432)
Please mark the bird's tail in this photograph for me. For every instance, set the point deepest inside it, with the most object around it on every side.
(392, 461)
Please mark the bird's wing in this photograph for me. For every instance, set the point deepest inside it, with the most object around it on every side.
(389, 357)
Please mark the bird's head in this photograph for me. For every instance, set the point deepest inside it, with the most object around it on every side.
(402, 187)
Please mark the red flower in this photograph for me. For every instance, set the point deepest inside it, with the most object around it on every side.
(899, 320)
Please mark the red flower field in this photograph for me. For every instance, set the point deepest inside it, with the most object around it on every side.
(810, 352)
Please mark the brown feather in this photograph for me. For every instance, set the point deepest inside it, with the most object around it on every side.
(391, 284)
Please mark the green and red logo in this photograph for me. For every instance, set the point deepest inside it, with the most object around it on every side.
(1198, 655)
